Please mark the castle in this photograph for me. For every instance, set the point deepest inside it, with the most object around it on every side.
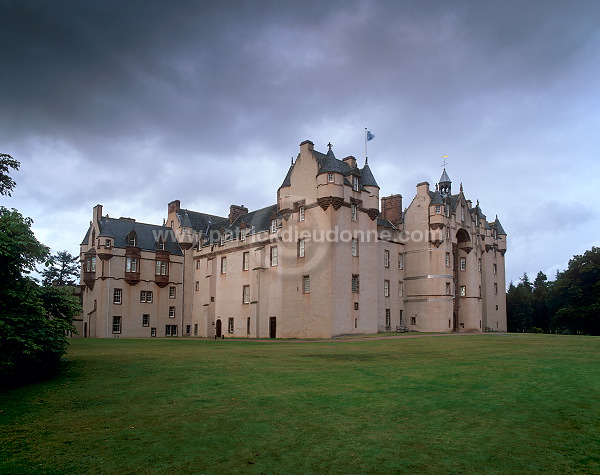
(323, 261)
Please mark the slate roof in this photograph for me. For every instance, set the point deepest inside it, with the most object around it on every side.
(367, 178)
(498, 227)
(119, 229)
(445, 178)
(200, 222)
(287, 181)
(436, 198)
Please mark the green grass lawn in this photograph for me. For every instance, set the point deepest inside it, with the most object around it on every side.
(445, 404)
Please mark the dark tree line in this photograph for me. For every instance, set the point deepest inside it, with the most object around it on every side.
(570, 304)
(34, 318)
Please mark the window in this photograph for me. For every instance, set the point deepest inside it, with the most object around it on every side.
(330, 178)
(170, 330)
(353, 210)
(400, 260)
(438, 209)
(462, 212)
(222, 239)
(386, 258)
(161, 245)
(355, 183)
(108, 243)
(493, 252)
(448, 288)
(386, 288)
(495, 288)
(162, 268)
(448, 233)
(145, 320)
(243, 234)
(172, 292)
(248, 325)
(388, 318)
(146, 296)
(479, 265)
(246, 294)
(223, 265)
(245, 261)
(171, 312)
(355, 283)
(116, 325)
(273, 226)
(413, 320)
(400, 289)
(230, 325)
(90, 263)
(301, 244)
(401, 317)
(447, 209)
(187, 330)
(447, 259)
(117, 296)
(195, 329)
(301, 213)
(132, 239)
(355, 305)
(354, 247)
(197, 285)
(463, 263)
(306, 284)
(273, 256)
(131, 264)
(463, 290)
(153, 331)
(480, 291)
(494, 268)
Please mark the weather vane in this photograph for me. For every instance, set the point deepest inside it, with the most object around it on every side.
(445, 162)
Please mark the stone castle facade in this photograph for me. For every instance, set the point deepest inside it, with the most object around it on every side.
(323, 261)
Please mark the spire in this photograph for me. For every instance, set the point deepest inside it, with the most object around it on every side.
(445, 184)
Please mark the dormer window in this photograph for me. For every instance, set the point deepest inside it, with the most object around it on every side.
(222, 238)
(330, 178)
(355, 183)
(161, 245)
(132, 239)
(273, 226)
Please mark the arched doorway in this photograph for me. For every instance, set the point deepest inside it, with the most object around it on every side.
(218, 330)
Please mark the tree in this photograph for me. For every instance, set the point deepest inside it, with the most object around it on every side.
(519, 305)
(541, 308)
(63, 270)
(6, 182)
(33, 319)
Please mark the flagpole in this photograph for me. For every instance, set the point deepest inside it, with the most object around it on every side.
(366, 145)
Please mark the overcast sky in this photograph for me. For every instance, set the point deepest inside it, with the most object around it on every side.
(132, 104)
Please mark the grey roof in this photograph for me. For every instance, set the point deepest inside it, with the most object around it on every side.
(436, 197)
(255, 221)
(329, 164)
(367, 178)
(385, 223)
(287, 181)
(200, 222)
(498, 227)
(147, 234)
(445, 178)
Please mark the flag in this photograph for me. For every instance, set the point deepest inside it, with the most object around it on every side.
(444, 156)
(370, 135)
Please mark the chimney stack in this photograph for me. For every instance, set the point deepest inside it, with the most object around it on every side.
(391, 209)
(235, 211)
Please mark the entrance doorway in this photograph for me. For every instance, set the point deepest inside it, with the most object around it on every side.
(273, 327)
(218, 329)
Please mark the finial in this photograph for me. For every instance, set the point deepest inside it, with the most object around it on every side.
(329, 145)
(292, 159)
(461, 188)
(436, 187)
(366, 160)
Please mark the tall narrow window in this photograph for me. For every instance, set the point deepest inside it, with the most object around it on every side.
(386, 288)
(273, 226)
(301, 213)
(171, 312)
(116, 327)
(230, 325)
(447, 259)
(354, 211)
(117, 296)
(132, 239)
(463, 263)
(494, 268)
(354, 247)
(479, 265)
(355, 283)
(306, 284)
(223, 265)
(448, 288)
(495, 288)
(245, 261)
(354, 183)
(463, 290)
(330, 178)
(246, 294)
(301, 244)
(90, 264)
(386, 258)
(273, 256)
(243, 234)
(400, 260)
(388, 318)
(145, 320)
(172, 292)
(400, 289)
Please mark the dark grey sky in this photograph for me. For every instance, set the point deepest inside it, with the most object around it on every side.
(133, 104)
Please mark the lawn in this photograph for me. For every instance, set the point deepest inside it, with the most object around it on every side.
(445, 404)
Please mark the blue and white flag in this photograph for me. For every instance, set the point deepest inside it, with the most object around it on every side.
(370, 135)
